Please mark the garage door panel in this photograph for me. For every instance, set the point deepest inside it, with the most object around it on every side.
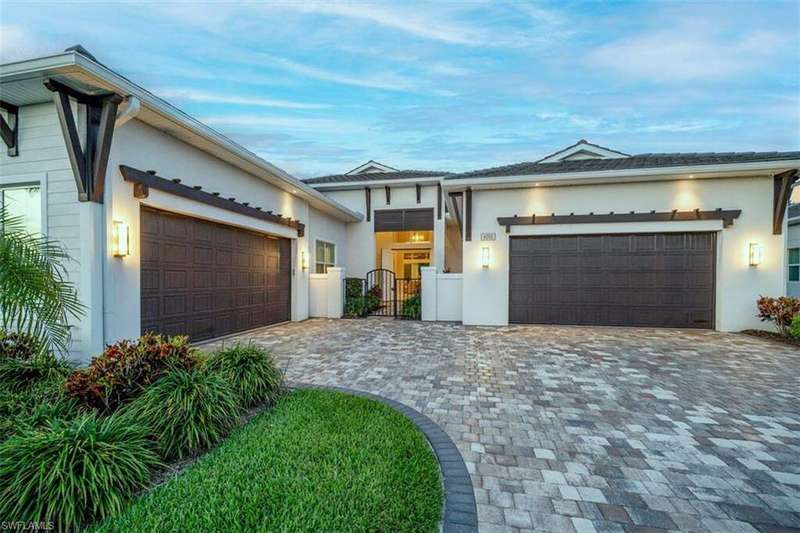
(206, 279)
(640, 279)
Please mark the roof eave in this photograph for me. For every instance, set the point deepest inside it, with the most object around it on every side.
(353, 185)
(616, 175)
(241, 157)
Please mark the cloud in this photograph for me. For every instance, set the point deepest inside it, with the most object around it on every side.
(283, 123)
(416, 22)
(686, 53)
(216, 98)
(17, 43)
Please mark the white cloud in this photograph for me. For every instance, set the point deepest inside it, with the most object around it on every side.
(387, 80)
(284, 123)
(216, 98)
(687, 53)
(412, 21)
(16, 44)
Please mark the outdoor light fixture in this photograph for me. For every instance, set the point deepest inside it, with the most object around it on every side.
(121, 239)
(485, 257)
(756, 254)
(303, 263)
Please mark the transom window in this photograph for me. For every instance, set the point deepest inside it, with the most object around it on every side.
(794, 264)
(325, 257)
(25, 202)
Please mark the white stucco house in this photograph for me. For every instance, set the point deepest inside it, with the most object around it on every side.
(174, 228)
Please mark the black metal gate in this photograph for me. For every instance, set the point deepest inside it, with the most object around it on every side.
(382, 293)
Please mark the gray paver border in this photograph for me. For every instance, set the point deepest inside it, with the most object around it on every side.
(460, 512)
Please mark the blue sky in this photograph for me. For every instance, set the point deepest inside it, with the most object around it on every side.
(319, 88)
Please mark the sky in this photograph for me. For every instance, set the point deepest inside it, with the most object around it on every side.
(321, 87)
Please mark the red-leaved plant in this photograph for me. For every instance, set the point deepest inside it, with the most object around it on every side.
(779, 311)
(125, 368)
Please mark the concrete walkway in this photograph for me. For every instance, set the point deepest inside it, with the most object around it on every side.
(583, 429)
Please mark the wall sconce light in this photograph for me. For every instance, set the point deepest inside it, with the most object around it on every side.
(485, 257)
(303, 263)
(121, 239)
(756, 254)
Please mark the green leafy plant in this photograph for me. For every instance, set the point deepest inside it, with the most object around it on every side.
(780, 311)
(36, 298)
(412, 307)
(354, 298)
(126, 368)
(187, 411)
(794, 328)
(251, 372)
(72, 472)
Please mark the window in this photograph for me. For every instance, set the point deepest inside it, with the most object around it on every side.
(23, 201)
(326, 256)
(794, 264)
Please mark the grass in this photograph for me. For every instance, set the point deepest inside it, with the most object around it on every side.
(318, 461)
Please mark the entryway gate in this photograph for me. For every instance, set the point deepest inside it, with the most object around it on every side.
(382, 293)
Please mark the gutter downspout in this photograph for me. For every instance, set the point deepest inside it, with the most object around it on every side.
(132, 107)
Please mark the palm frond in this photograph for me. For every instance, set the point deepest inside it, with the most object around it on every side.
(36, 296)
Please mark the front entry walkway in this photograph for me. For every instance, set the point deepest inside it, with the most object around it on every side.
(582, 429)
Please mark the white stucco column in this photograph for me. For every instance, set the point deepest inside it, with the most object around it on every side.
(429, 292)
(335, 292)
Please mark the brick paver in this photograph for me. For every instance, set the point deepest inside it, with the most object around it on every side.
(582, 429)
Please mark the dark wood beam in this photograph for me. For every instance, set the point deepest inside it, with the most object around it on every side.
(468, 214)
(454, 197)
(89, 163)
(388, 195)
(196, 193)
(439, 201)
(368, 199)
(782, 193)
(726, 216)
(10, 132)
(419, 193)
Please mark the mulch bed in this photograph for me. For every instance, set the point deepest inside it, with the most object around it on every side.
(771, 335)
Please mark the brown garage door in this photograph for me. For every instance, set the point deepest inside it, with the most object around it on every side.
(205, 279)
(655, 279)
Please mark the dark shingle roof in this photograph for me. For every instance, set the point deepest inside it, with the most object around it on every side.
(374, 176)
(627, 163)
(794, 210)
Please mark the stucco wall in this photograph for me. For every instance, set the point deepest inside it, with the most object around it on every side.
(141, 146)
(738, 285)
(360, 257)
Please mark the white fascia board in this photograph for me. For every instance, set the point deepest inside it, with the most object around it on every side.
(249, 162)
(617, 176)
(356, 185)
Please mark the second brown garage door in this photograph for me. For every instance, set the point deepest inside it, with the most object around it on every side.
(205, 280)
(655, 279)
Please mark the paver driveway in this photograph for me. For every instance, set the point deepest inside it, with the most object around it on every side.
(568, 429)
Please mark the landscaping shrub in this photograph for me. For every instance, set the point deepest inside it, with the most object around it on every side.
(187, 410)
(794, 328)
(18, 346)
(251, 372)
(354, 301)
(412, 306)
(780, 311)
(126, 367)
(72, 472)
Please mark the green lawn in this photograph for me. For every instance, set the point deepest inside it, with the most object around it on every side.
(319, 460)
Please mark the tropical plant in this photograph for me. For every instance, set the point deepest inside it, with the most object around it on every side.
(251, 371)
(35, 296)
(412, 306)
(794, 328)
(187, 411)
(125, 368)
(354, 299)
(22, 362)
(72, 472)
(780, 311)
